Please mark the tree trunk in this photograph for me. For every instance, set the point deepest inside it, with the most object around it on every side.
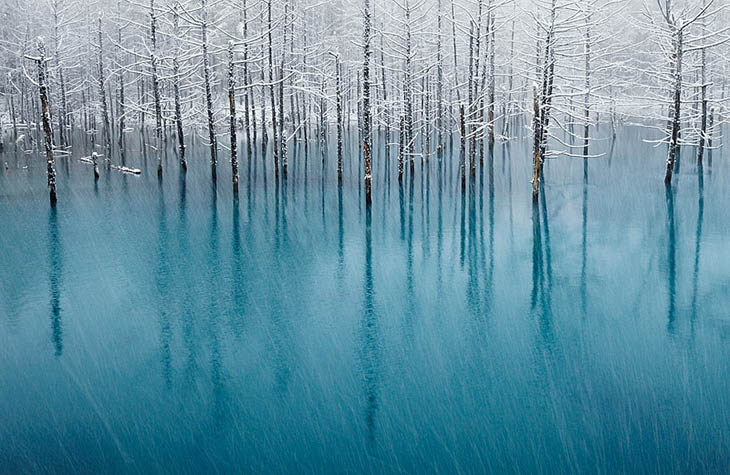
(587, 110)
(462, 128)
(408, 92)
(156, 88)
(386, 111)
(176, 91)
(703, 120)
(232, 109)
(106, 132)
(536, 146)
(674, 138)
(366, 101)
(51, 166)
(247, 92)
(208, 94)
(272, 94)
(338, 89)
(492, 77)
(439, 87)
(282, 131)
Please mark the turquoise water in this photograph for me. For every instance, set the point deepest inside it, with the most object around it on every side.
(153, 326)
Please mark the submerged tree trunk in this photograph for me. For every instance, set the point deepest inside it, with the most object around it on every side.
(232, 109)
(401, 149)
(338, 92)
(547, 92)
(121, 107)
(408, 92)
(587, 110)
(141, 96)
(282, 131)
(675, 125)
(536, 145)
(272, 94)
(247, 92)
(492, 78)
(61, 83)
(470, 100)
(106, 132)
(176, 90)
(439, 87)
(366, 101)
(45, 106)
(506, 131)
(264, 132)
(208, 94)
(703, 119)
(462, 128)
(156, 88)
(386, 111)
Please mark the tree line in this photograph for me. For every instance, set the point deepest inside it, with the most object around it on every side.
(416, 75)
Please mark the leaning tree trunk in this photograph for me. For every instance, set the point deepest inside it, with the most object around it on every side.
(51, 168)
(15, 122)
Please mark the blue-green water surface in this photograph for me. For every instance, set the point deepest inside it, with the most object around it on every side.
(150, 326)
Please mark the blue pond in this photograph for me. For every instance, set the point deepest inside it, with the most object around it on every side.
(150, 326)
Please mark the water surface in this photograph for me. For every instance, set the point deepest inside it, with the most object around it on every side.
(168, 325)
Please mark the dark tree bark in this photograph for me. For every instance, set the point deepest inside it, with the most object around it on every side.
(209, 94)
(176, 90)
(247, 92)
(338, 92)
(272, 94)
(366, 101)
(675, 125)
(232, 110)
(45, 107)
(106, 132)
(156, 87)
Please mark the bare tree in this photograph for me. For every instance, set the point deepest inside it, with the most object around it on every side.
(45, 107)
(232, 110)
(366, 100)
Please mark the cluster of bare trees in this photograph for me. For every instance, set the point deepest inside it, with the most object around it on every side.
(407, 76)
